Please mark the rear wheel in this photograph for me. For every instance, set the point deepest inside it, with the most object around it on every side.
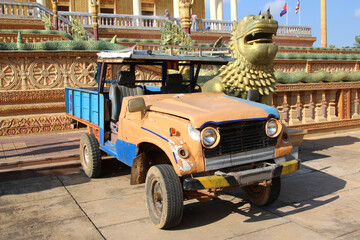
(90, 155)
(164, 196)
(261, 195)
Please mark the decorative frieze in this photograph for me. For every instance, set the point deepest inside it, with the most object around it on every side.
(34, 124)
(36, 70)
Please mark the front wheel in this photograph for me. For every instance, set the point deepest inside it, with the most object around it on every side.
(90, 155)
(164, 196)
(261, 195)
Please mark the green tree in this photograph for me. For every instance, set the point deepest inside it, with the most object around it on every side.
(357, 41)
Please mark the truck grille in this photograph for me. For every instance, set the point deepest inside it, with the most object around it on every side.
(242, 136)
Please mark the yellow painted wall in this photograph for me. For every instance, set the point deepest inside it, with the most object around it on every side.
(199, 8)
(161, 5)
(124, 7)
(48, 4)
(79, 5)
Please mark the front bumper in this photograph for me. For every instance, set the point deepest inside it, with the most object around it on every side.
(242, 178)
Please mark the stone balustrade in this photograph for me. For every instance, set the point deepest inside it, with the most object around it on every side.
(318, 105)
(121, 21)
(294, 30)
(30, 10)
(13, 9)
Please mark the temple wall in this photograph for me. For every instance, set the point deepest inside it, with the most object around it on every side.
(32, 91)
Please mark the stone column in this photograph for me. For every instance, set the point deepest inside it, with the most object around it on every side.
(55, 10)
(185, 14)
(176, 8)
(94, 16)
(323, 24)
(233, 6)
(136, 11)
(213, 9)
(136, 7)
(220, 14)
(42, 2)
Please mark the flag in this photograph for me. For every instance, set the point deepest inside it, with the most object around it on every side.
(268, 11)
(297, 7)
(284, 11)
(259, 13)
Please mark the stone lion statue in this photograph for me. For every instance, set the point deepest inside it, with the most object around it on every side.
(254, 52)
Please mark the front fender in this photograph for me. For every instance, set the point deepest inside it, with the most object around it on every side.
(170, 146)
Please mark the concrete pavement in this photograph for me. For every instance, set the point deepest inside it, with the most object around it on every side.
(41, 150)
(320, 201)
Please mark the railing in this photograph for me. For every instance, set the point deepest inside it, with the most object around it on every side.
(317, 103)
(203, 25)
(294, 30)
(31, 10)
(121, 21)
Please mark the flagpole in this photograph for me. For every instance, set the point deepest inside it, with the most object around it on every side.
(287, 14)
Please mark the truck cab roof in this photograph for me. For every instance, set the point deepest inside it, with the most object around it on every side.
(190, 59)
(157, 53)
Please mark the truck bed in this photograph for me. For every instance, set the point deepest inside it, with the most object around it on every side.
(83, 104)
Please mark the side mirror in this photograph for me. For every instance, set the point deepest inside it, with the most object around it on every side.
(136, 104)
(253, 95)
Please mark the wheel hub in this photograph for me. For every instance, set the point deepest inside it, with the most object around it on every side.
(157, 197)
(87, 157)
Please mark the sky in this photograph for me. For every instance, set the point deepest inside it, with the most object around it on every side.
(343, 17)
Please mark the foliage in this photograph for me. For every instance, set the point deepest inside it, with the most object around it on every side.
(357, 41)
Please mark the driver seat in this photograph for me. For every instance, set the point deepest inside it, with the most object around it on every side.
(125, 87)
(174, 84)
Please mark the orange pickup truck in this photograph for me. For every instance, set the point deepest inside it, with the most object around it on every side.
(182, 143)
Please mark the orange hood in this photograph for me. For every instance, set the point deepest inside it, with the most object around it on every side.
(202, 108)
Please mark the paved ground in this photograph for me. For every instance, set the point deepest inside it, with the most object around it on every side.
(32, 151)
(321, 201)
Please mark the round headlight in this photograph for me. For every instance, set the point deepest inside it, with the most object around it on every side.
(209, 137)
(272, 128)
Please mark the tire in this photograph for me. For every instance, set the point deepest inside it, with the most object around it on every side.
(90, 155)
(261, 195)
(164, 196)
